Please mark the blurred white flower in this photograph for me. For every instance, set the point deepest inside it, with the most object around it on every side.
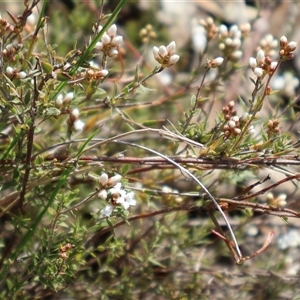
(107, 210)
(78, 125)
(166, 55)
(199, 39)
(285, 83)
(109, 41)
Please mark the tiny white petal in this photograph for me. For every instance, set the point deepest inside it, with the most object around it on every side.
(99, 46)
(78, 125)
(9, 71)
(235, 119)
(115, 179)
(283, 39)
(274, 65)
(112, 52)
(103, 179)
(75, 113)
(219, 61)
(69, 97)
(104, 72)
(59, 100)
(292, 45)
(105, 39)
(21, 75)
(260, 58)
(236, 43)
(237, 130)
(117, 40)
(258, 72)
(228, 41)
(199, 38)
(130, 199)
(171, 48)
(102, 194)
(236, 55)
(252, 62)
(231, 124)
(107, 210)
(174, 59)
(162, 51)
(155, 52)
(233, 30)
(112, 31)
(223, 30)
(99, 28)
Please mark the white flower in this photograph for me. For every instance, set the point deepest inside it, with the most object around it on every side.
(75, 113)
(102, 194)
(216, 62)
(231, 124)
(109, 42)
(223, 30)
(260, 58)
(68, 97)
(21, 75)
(273, 65)
(258, 72)
(130, 199)
(9, 71)
(252, 62)
(166, 55)
(199, 38)
(112, 31)
(283, 39)
(99, 46)
(292, 46)
(286, 83)
(78, 125)
(107, 210)
(115, 180)
(116, 189)
(59, 100)
(112, 52)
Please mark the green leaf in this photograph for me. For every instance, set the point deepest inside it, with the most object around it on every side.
(52, 111)
(143, 90)
(81, 149)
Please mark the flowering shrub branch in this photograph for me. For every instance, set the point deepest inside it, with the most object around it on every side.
(106, 159)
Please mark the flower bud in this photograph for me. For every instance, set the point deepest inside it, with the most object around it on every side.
(103, 179)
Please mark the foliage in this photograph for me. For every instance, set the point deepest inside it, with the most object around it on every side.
(116, 185)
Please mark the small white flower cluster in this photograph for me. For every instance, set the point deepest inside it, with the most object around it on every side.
(285, 83)
(286, 48)
(13, 73)
(62, 101)
(231, 128)
(231, 41)
(166, 55)
(112, 191)
(74, 123)
(262, 65)
(269, 45)
(110, 41)
(279, 201)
